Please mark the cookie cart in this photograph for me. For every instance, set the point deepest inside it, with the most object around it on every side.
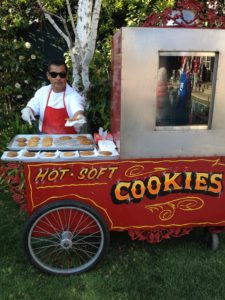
(163, 173)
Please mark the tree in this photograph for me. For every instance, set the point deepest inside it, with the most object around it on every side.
(80, 37)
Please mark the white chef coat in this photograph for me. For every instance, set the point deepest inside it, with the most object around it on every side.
(73, 101)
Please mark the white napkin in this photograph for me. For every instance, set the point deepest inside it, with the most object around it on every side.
(106, 145)
(79, 121)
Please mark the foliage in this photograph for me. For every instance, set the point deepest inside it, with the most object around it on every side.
(11, 126)
(98, 98)
(21, 67)
(21, 64)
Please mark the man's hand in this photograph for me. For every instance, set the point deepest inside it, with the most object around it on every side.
(80, 121)
(27, 115)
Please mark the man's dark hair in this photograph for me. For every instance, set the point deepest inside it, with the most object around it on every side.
(57, 62)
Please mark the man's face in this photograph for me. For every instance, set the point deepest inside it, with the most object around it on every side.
(58, 81)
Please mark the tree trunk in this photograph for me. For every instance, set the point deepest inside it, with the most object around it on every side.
(82, 49)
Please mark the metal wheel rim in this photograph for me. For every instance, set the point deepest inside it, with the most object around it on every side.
(98, 245)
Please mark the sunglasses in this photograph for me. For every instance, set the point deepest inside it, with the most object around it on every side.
(55, 74)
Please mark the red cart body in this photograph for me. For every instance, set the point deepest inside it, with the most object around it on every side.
(135, 194)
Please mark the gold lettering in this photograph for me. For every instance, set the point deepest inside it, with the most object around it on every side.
(101, 172)
(187, 185)
(170, 182)
(120, 193)
(53, 175)
(138, 189)
(41, 175)
(201, 181)
(216, 181)
(63, 172)
(112, 171)
(92, 173)
(82, 173)
(154, 181)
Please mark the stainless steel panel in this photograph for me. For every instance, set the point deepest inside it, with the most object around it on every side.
(140, 60)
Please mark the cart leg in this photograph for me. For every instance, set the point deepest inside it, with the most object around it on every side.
(212, 240)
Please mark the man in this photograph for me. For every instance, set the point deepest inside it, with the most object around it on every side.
(55, 103)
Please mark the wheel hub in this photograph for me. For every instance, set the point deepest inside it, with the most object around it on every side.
(66, 240)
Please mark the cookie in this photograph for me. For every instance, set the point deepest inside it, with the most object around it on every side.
(87, 153)
(12, 154)
(49, 154)
(29, 154)
(47, 141)
(34, 139)
(81, 137)
(22, 144)
(32, 143)
(21, 139)
(86, 142)
(65, 138)
(106, 153)
(68, 154)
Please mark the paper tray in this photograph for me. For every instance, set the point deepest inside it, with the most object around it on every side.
(64, 157)
(5, 156)
(43, 155)
(71, 144)
(20, 156)
(104, 153)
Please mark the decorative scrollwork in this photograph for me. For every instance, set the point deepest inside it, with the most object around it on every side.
(157, 235)
(168, 209)
(139, 170)
(188, 13)
(12, 178)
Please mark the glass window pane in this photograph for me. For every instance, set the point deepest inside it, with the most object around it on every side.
(184, 88)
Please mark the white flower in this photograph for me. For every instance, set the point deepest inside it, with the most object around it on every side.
(21, 57)
(26, 81)
(33, 56)
(27, 45)
(19, 96)
(17, 85)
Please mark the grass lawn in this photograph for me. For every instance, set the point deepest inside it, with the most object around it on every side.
(176, 269)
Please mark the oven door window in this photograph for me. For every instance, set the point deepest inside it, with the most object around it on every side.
(185, 90)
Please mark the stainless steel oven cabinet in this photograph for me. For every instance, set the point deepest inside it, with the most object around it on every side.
(138, 124)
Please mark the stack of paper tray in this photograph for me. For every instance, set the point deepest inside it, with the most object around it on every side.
(57, 156)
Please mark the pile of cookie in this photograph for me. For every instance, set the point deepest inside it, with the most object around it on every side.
(47, 141)
(83, 140)
(31, 142)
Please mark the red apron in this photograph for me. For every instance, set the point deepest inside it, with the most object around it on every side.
(55, 119)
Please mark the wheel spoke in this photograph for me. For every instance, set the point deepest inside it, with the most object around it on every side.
(66, 239)
(36, 240)
(43, 230)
